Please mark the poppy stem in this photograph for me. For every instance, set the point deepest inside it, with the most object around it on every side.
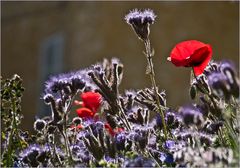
(151, 73)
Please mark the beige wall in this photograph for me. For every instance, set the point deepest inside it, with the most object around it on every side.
(94, 30)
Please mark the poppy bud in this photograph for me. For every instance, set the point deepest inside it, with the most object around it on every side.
(193, 91)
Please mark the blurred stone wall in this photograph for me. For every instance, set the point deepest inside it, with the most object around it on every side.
(94, 30)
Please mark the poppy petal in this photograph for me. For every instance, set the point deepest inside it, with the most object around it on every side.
(85, 113)
(191, 53)
(199, 69)
(91, 100)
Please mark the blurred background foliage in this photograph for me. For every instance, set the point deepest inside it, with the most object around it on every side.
(45, 38)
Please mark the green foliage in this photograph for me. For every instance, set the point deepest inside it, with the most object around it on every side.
(11, 94)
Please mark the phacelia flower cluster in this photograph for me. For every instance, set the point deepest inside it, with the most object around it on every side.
(140, 22)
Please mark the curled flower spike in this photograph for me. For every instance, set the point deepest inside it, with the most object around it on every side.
(140, 22)
(191, 53)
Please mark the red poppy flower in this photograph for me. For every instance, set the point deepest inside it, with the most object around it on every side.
(118, 130)
(91, 100)
(78, 127)
(111, 131)
(85, 113)
(191, 53)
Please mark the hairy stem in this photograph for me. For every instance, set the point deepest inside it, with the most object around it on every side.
(152, 77)
(9, 151)
(125, 118)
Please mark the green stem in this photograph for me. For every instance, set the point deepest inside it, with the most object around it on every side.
(232, 135)
(149, 153)
(64, 133)
(152, 77)
(13, 127)
(55, 151)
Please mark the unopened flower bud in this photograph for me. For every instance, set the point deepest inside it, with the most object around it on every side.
(77, 120)
(51, 129)
(48, 98)
(39, 125)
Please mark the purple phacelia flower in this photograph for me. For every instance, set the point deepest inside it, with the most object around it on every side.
(228, 69)
(205, 139)
(173, 120)
(169, 144)
(185, 135)
(34, 154)
(138, 17)
(140, 21)
(152, 142)
(120, 140)
(213, 128)
(227, 66)
(139, 161)
(191, 115)
(166, 158)
(158, 120)
(219, 85)
(69, 83)
(97, 127)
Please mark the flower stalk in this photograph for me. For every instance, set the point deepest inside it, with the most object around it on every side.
(149, 55)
